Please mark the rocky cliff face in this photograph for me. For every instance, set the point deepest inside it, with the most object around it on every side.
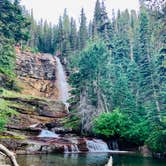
(38, 125)
(36, 106)
(37, 74)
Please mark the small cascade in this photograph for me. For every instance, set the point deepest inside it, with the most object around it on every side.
(96, 145)
(115, 145)
(74, 148)
(49, 134)
(62, 83)
(66, 149)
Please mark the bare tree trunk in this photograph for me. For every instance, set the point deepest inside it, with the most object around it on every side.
(9, 154)
(131, 44)
(131, 50)
(105, 103)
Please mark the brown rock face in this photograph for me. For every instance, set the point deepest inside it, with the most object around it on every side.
(37, 74)
(34, 111)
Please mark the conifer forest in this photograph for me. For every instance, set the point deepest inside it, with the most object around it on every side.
(100, 83)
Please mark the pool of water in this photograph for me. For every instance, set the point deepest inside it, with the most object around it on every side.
(89, 159)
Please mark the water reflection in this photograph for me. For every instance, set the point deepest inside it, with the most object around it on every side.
(133, 160)
(64, 160)
(89, 159)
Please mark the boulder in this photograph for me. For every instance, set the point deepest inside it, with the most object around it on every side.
(145, 151)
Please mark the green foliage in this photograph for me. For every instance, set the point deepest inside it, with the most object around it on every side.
(13, 24)
(7, 55)
(157, 138)
(110, 124)
(83, 34)
(73, 121)
(127, 73)
(5, 112)
(137, 131)
(13, 29)
(123, 66)
(90, 70)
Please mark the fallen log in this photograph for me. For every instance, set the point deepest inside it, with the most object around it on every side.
(110, 162)
(9, 154)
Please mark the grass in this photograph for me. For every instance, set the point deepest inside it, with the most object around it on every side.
(13, 94)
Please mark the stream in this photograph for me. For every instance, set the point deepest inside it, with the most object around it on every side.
(87, 159)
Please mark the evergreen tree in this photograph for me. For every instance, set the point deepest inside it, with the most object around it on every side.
(73, 35)
(101, 24)
(83, 34)
(90, 30)
(96, 18)
(60, 35)
(13, 23)
(66, 50)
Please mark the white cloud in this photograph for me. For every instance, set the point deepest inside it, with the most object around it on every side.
(52, 9)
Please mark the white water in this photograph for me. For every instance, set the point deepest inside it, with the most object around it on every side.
(97, 145)
(61, 82)
(49, 134)
(73, 149)
(66, 149)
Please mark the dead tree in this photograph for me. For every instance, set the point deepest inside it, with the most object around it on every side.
(9, 154)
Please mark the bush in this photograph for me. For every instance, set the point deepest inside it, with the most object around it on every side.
(110, 124)
(5, 112)
(7, 55)
(157, 138)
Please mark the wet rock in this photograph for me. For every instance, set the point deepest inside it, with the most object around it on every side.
(62, 130)
(33, 148)
(145, 151)
(159, 155)
(35, 111)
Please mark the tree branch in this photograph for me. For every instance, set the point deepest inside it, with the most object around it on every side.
(9, 154)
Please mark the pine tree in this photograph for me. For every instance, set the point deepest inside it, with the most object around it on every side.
(32, 40)
(96, 18)
(60, 35)
(83, 34)
(73, 35)
(13, 23)
(66, 50)
(90, 30)
(148, 91)
(101, 24)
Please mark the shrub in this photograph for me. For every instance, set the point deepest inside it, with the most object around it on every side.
(110, 124)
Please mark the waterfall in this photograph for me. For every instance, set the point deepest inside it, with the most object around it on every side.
(97, 145)
(66, 149)
(49, 134)
(61, 82)
(115, 145)
(73, 149)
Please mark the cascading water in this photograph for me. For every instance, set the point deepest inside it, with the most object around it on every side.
(96, 145)
(61, 82)
(74, 148)
(49, 134)
(71, 148)
(66, 149)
